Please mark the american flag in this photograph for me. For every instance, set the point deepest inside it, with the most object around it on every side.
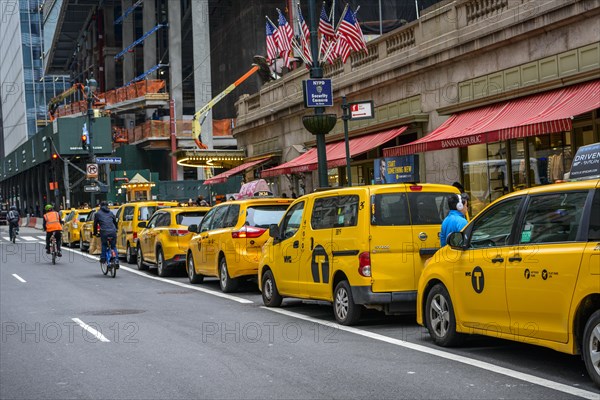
(349, 29)
(342, 48)
(305, 36)
(271, 46)
(283, 37)
(328, 36)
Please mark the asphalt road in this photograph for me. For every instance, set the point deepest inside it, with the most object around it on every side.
(70, 332)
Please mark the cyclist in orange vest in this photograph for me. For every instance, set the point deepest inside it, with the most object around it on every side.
(52, 224)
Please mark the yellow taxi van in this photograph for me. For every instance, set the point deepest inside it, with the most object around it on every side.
(164, 239)
(527, 269)
(355, 247)
(229, 240)
(72, 226)
(128, 218)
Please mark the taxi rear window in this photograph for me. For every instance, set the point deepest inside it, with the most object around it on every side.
(389, 209)
(428, 208)
(82, 217)
(190, 218)
(144, 213)
(264, 216)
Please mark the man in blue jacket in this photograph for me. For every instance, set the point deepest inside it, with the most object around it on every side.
(455, 221)
(106, 223)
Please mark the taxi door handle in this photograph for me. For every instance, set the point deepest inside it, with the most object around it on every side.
(312, 243)
(497, 260)
(296, 244)
(516, 258)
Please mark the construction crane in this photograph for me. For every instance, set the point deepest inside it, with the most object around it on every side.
(54, 103)
(260, 64)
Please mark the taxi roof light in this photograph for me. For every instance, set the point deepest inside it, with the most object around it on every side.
(250, 232)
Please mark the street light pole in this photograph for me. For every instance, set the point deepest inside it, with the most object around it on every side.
(90, 88)
(345, 118)
(317, 72)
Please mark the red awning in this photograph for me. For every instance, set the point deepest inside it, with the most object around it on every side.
(222, 177)
(548, 112)
(336, 153)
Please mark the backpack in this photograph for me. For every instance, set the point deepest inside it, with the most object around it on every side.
(13, 216)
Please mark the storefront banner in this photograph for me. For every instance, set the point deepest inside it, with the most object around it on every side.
(586, 163)
(396, 169)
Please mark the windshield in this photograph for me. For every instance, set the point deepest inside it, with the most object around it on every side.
(190, 218)
(264, 216)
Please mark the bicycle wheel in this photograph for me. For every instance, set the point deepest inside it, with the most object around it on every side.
(53, 257)
(113, 269)
(104, 268)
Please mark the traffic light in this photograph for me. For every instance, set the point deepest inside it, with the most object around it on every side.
(54, 156)
(84, 141)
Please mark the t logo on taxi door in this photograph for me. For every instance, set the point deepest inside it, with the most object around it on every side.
(477, 279)
(320, 261)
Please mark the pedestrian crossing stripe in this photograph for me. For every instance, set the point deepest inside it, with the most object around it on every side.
(25, 238)
(29, 238)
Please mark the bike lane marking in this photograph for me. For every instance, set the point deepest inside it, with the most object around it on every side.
(157, 278)
(91, 330)
(449, 356)
(19, 278)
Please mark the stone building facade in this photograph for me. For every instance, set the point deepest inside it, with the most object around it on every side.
(460, 55)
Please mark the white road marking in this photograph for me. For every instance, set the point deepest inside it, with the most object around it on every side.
(19, 278)
(183, 285)
(6, 238)
(91, 330)
(29, 238)
(449, 356)
(43, 238)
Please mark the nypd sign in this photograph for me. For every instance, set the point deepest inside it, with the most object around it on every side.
(317, 93)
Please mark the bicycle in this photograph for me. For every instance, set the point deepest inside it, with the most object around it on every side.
(53, 248)
(14, 232)
(111, 260)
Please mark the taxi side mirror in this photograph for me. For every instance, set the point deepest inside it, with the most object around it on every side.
(142, 224)
(456, 240)
(274, 231)
(193, 228)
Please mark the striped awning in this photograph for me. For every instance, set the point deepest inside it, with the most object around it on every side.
(548, 112)
(222, 177)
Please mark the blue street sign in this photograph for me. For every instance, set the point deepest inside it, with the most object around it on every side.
(108, 160)
(318, 93)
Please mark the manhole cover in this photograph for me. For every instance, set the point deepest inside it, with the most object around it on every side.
(114, 312)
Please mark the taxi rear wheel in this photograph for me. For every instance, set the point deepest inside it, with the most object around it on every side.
(191, 270)
(140, 260)
(227, 283)
(160, 263)
(270, 294)
(345, 310)
(81, 246)
(440, 319)
(129, 256)
(591, 347)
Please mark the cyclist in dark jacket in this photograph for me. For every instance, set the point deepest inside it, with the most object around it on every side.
(106, 223)
(13, 219)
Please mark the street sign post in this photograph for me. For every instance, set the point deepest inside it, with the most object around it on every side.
(91, 188)
(91, 171)
(108, 160)
(361, 110)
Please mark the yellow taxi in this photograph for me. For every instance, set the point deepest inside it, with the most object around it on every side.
(229, 240)
(64, 214)
(356, 247)
(164, 239)
(87, 228)
(128, 218)
(526, 268)
(72, 226)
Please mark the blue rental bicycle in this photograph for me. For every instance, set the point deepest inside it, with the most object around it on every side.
(111, 264)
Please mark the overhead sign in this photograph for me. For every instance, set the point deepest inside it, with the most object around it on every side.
(108, 160)
(586, 163)
(361, 110)
(396, 169)
(91, 171)
(91, 188)
(317, 93)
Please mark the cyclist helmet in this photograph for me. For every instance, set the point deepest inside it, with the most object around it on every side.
(48, 207)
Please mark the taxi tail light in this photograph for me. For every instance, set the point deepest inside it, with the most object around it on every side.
(249, 232)
(364, 264)
(134, 235)
(416, 188)
(178, 232)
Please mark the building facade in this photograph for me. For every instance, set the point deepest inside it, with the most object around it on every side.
(459, 56)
